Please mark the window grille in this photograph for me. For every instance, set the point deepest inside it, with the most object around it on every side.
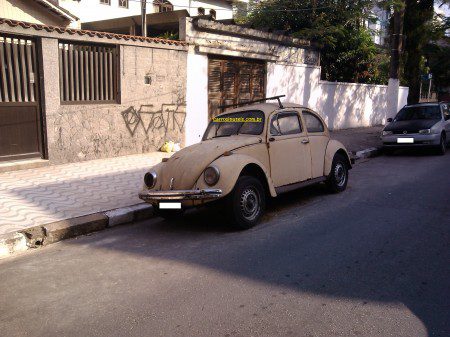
(88, 73)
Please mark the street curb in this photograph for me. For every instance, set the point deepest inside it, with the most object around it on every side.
(44, 235)
(368, 153)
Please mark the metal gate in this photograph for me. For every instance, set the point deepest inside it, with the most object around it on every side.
(20, 113)
(233, 80)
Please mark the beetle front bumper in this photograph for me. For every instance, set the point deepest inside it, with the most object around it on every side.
(180, 195)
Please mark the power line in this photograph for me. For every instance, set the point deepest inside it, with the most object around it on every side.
(265, 10)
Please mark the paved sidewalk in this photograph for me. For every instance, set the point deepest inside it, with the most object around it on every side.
(42, 195)
(358, 139)
(39, 196)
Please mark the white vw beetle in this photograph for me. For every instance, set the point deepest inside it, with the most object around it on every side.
(248, 154)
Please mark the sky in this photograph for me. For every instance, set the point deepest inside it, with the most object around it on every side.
(444, 9)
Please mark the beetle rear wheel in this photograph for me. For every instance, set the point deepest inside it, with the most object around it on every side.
(338, 178)
(247, 202)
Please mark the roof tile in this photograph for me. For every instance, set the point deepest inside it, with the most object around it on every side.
(91, 33)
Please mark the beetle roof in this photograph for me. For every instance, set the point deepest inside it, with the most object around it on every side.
(267, 108)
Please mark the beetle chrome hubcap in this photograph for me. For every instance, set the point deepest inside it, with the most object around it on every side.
(340, 174)
(249, 204)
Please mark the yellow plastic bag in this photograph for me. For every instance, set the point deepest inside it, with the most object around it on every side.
(167, 147)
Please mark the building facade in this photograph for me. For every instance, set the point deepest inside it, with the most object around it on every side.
(378, 25)
(97, 10)
(38, 11)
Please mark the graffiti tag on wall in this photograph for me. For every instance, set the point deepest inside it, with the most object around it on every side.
(167, 118)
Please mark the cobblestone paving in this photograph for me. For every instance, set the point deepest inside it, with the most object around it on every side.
(39, 196)
(358, 139)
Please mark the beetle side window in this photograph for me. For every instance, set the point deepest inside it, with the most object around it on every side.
(285, 123)
(313, 124)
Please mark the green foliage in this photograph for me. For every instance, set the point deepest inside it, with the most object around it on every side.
(347, 50)
(169, 36)
(418, 31)
(438, 61)
(352, 58)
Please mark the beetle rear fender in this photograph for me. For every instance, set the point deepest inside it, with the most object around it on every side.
(232, 167)
(334, 147)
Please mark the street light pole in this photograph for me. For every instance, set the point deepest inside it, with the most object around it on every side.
(144, 18)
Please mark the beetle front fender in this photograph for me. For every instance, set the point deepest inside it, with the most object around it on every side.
(333, 147)
(230, 167)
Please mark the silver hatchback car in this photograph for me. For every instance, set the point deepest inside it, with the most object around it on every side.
(418, 125)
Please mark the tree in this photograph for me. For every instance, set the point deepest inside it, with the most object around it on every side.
(437, 52)
(336, 26)
(418, 16)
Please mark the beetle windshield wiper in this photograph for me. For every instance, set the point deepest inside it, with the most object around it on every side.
(219, 136)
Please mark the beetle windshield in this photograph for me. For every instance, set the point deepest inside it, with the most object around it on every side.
(418, 112)
(243, 122)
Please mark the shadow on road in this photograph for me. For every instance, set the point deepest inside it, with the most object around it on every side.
(380, 241)
(358, 247)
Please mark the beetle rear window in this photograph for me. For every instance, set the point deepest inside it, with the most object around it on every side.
(244, 123)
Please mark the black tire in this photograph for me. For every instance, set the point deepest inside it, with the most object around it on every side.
(168, 214)
(442, 146)
(247, 202)
(388, 152)
(338, 178)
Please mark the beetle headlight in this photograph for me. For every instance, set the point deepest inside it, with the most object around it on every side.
(150, 179)
(425, 131)
(211, 175)
(386, 133)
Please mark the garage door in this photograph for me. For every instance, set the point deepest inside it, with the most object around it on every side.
(20, 117)
(233, 80)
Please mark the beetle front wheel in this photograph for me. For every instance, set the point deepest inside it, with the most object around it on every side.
(247, 202)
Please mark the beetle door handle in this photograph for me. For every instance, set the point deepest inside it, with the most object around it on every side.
(305, 141)
(271, 139)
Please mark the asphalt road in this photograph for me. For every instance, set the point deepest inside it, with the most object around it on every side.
(372, 261)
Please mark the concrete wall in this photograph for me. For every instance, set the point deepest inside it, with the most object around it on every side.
(342, 105)
(81, 132)
(29, 11)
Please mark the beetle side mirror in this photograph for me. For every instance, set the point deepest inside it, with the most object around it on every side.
(389, 120)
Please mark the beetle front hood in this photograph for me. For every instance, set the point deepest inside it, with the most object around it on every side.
(186, 165)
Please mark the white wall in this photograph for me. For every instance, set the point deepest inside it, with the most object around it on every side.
(342, 105)
(196, 97)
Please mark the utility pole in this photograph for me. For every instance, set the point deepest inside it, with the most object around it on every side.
(144, 18)
(396, 51)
